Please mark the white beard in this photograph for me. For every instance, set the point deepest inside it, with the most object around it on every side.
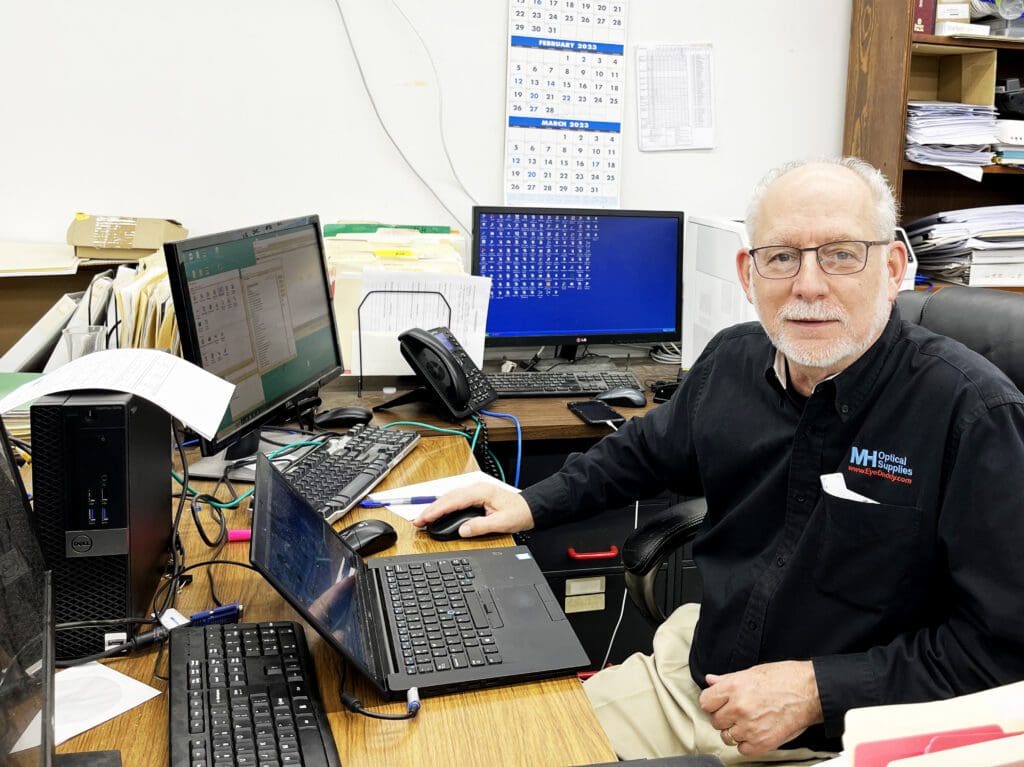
(822, 354)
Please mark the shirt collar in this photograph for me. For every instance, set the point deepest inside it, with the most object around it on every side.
(852, 384)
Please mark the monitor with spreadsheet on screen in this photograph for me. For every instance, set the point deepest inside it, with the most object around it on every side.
(254, 307)
(569, 277)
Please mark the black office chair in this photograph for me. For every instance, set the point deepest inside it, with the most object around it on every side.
(991, 322)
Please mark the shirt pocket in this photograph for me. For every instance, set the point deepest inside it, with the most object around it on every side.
(867, 551)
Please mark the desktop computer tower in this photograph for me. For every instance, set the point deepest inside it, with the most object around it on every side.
(101, 486)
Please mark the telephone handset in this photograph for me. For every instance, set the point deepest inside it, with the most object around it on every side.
(447, 372)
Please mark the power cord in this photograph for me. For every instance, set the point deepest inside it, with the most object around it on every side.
(137, 642)
(353, 704)
(622, 609)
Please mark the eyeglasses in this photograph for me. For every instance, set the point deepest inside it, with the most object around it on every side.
(779, 262)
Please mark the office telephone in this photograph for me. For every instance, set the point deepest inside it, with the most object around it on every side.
(449, 376)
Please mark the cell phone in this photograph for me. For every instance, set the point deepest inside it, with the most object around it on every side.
(595, 412)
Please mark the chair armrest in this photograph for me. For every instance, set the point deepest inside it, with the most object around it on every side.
(648, 546)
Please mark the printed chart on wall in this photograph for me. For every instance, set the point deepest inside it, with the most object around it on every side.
(675, 99)
(565, 102)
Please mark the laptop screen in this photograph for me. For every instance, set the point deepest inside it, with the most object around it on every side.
(303, 558)
(25, 630)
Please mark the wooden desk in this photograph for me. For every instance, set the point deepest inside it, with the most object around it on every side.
(542, 418)
(539, 723)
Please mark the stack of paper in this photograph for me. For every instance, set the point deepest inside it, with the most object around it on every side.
(973, 246)
(354, 247)
(951, 135)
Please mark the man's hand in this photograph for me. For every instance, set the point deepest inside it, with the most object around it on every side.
(764, 706)
(507, 512)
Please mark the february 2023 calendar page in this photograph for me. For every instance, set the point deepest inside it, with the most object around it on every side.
(565, 102)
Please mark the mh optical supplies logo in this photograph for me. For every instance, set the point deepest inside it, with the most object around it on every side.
(878, 463)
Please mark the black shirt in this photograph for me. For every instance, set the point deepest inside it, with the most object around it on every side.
(916, 597)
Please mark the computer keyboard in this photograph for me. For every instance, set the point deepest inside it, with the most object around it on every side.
(337, 475)
(438, 618)
(560, 383)
(245, 694)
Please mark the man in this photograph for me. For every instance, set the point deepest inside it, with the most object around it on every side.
(814, 602)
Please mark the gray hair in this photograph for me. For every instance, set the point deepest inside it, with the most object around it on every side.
(886, 209)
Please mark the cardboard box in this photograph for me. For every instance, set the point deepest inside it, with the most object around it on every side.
(952, 10)
(121, 238)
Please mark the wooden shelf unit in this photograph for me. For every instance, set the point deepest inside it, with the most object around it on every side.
(890, 64)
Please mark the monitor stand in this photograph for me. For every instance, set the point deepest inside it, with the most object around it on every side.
(214, 466)
(419, 394)
(567, 352)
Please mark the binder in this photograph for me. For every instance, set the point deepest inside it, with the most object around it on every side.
(33, 349)
(91, 310)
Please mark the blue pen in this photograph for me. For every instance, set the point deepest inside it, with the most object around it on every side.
(370, 503)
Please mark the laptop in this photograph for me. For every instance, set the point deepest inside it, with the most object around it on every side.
(495, 621)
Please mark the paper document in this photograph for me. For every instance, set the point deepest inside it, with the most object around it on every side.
(675, 97)
(392, 302)
(835, 485)
(31, 259)
(435, 487)
(1003, 706)
(86, 696)
(193, 396)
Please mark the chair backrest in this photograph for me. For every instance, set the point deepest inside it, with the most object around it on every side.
(991, 322)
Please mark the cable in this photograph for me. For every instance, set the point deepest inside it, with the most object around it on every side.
(440, 103)
(100, 623)
(611, 425)
(138, 642)
(622, 610)
(380, 119)
(353, 704)
(519, 438)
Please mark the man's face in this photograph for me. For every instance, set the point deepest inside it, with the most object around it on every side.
(819, 321)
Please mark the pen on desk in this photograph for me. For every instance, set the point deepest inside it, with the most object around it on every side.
(370, 503)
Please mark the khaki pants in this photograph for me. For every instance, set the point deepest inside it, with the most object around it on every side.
(648, 704)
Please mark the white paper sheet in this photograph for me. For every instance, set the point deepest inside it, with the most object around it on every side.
(386, 314)
(434, 487)
(85, 697)
(193, 396)
(835, 485)
(675, 97)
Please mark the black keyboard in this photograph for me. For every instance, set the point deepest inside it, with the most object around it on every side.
(440, 621)
(245, 694)
(337, 475)
(560, 384)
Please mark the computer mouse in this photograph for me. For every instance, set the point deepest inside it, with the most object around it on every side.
(623, 395)
(446, 528)
(369, 536)
(342, 417)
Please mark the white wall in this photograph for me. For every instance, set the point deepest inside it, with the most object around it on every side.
(222, 113)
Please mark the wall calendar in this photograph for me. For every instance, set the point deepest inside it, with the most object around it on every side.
(564, 99)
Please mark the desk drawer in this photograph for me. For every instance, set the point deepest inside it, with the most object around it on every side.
(593, 543)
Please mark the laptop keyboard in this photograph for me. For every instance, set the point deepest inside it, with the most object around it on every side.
(441, 621)
(245, 694)
(336, 476)
(561, 383)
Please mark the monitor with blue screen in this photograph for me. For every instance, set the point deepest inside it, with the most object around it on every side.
(567, 276)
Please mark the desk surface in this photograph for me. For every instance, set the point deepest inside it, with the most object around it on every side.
(539, 723)
(542, 418)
